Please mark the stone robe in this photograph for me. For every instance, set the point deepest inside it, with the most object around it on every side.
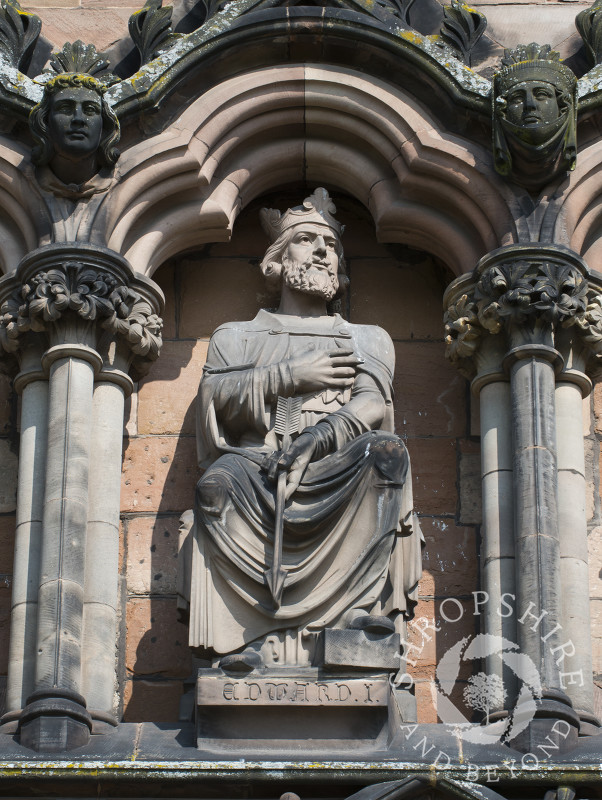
(350, 537)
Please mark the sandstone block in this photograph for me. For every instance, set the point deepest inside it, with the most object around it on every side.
(7, 544)
(429, 392)
(426, 701)
(152, 553)
(455, 620)
(404, 300)
(165, 277)
(151, 701)
(6, 399)
(434, 475)
(8, 477)
(104, 27)
(207, 299)
(159, 474)
(450, 565)
(470, 483)
(156, 643)
(166, 398)
(594, 543)
(5, 595)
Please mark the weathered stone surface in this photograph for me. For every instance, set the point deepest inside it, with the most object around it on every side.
(470, 506)
(450, 558)
(434, 475)
(594, 542)
(6, 401)
(5, 593)
(206, 297)
(165, 277)
(288, 690)
(8, 477)
(162, 410)
(156, 643)
(7, 544)
(345, 648)
(405, 300)
(152, 552)
(66, 22)
(159, 474)
(429, 645)
(435, 407)
(151, 701)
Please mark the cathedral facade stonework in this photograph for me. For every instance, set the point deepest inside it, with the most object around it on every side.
(300, 334)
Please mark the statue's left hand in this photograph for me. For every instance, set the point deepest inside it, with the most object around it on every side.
(294, 460)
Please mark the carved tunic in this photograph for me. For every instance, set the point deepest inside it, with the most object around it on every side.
(350, 540)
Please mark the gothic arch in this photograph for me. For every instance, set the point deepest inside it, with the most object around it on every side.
(185, 186)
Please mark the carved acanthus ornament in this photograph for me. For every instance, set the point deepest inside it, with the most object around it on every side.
(537, 295)
(88, 293)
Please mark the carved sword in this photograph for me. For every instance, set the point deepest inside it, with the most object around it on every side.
(288, 417)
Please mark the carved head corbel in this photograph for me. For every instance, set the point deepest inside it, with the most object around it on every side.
(74, 129)
(534, 116)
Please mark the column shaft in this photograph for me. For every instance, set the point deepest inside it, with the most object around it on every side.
(102, 550)
(574, 575)
(536, 513)
(497, 553)
(61, 593)
(28, 543)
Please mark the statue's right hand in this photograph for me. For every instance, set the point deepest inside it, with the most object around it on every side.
(324, 369)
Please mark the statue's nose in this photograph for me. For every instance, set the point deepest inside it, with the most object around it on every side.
(319, 245)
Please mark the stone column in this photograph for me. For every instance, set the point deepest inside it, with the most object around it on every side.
(32, 386)
(480, 359)
(85, 300)
(528, 295)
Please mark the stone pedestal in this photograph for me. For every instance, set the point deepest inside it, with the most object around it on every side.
(291, 711)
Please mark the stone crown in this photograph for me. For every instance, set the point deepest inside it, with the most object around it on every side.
(317, 209)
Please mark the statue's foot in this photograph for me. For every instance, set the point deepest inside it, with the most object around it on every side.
(372, 623)
(246, 661)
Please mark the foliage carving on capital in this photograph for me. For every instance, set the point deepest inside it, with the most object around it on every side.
(524, 290)
(589, 325)
(462, 329)
(90, 294)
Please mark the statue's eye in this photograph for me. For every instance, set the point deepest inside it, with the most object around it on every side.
(91, 109)
(543, 94)
(63, 108)
(515, 98)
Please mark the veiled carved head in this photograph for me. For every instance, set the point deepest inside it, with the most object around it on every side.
(74, 128)
(534, 116)
(306, 250)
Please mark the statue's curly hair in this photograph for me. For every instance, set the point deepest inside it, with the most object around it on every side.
(43, 150)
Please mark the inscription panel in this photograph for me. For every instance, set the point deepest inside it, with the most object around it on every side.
(272, 691)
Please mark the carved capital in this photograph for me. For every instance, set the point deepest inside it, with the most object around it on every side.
(530, 295)
(76, 294)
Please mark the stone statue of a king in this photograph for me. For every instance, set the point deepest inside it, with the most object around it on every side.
(303, 518)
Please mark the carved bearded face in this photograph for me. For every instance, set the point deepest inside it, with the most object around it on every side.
(75, 122)
(310, 262)
(532, 103)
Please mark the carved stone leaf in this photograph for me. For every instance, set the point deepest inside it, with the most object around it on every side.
(77, 57)
(19, 31)
(151, 31)
(462, 329)
(461, 30)
(212, 7)
(399, 8)
(589, 25)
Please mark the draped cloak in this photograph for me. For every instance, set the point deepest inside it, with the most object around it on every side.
(351, 540)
